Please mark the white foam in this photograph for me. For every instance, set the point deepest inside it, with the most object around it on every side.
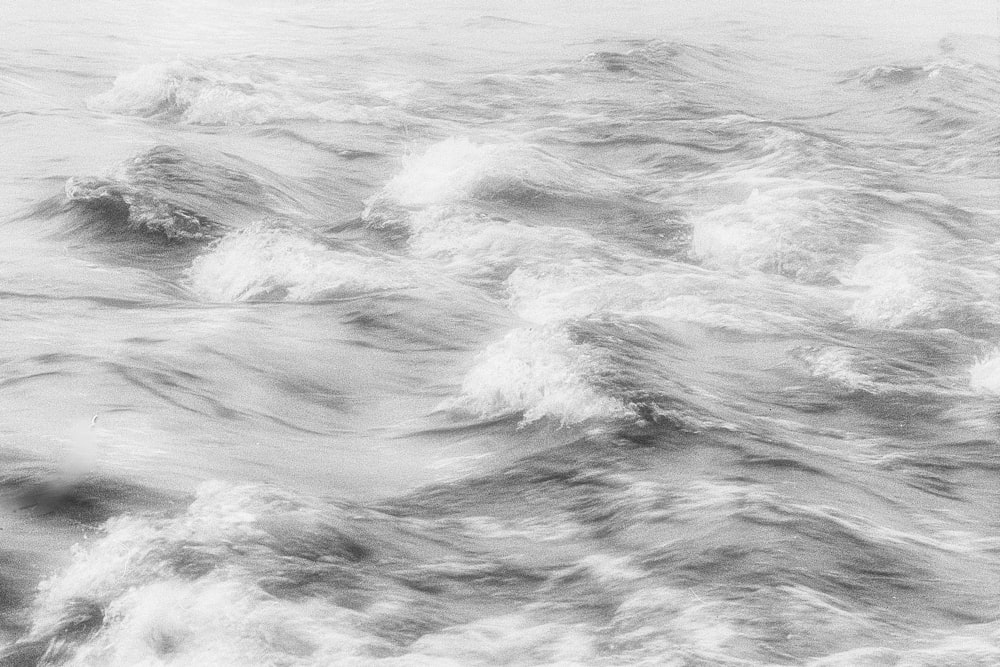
(538, 372)
(219, 95)
(776, 231)
(214, 621)
(985, 374)
(661, 620)
(837, 364)
(261, 263)
(451, 170)
(458, 169)
(476, 245)
(895, 293)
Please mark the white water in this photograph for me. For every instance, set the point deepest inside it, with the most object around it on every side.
(520, 334)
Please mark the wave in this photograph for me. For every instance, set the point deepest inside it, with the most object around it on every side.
(798, 231)
(259, 575)
(139, 210)
(234, 93)
(262, 263)
(459, 170)
(905, 285)
(168, 193)
(536, 372)
(255, 574)
(486, 249)
(984, 375)
(672, 292)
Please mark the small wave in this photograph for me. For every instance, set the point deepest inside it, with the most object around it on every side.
(909, 286)
(153, 591)
(657, 58)
(477, 246)
(140, 210)
(800, 231)
(457, 170)
(536, 372)
(274, 264)
(166, 192)
(883, 76)
(204, 94)
(677, 294)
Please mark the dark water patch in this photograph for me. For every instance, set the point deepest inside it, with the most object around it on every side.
(89, 499)
(176, 387)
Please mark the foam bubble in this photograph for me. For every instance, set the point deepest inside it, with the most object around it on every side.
(538, 372)
(278, 264)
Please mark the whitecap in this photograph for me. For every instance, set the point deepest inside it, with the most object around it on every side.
(228, 94)
(476, 245)
(261, 263)
(788, 231)
(459, 169)
(536, 372)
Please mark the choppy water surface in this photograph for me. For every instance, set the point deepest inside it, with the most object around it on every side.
(499, 333)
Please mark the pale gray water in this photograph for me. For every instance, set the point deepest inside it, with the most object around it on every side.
(500, 333)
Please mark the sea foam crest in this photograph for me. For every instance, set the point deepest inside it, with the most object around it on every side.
(458, 169)
(261, 263)
(218, 95)
(538, 372)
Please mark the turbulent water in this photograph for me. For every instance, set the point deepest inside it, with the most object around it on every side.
(482, 333)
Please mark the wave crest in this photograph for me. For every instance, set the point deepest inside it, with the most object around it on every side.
(220, 95)
(274, 264)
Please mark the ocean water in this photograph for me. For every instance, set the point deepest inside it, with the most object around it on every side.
(500, 333)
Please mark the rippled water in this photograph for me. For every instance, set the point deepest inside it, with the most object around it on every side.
(500, 333)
